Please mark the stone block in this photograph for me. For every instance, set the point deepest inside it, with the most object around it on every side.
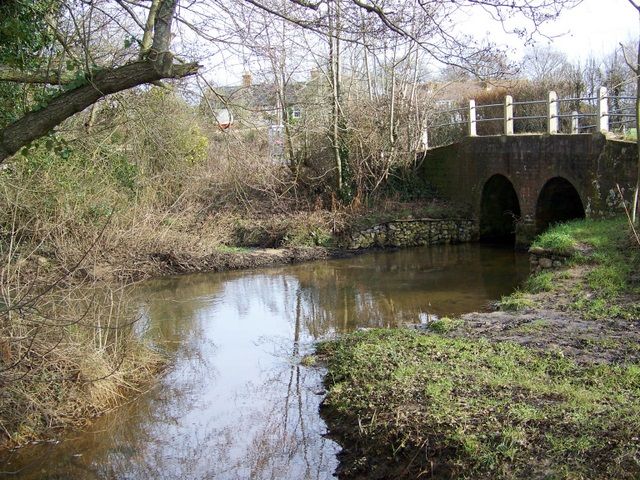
(545, 262)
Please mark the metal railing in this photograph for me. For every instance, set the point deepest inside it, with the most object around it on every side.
(574, 115)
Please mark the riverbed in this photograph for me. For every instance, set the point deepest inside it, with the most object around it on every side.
(238, 401)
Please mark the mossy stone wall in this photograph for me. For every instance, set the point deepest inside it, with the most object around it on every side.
(411, 233)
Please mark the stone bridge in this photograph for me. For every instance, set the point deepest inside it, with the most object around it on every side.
(517, 185)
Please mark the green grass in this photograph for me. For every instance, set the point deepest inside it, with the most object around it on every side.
(308, 360)
(557, 240)
(516, 302)
(232, 249)
(444, 325)
(541, 282)
(602, 235)
(487, 410)
(603, 247)
(534, 326)
(631, 134)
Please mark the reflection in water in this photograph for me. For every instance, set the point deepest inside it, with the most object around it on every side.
(236, 403)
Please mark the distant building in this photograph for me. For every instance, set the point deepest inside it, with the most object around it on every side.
(255, 105)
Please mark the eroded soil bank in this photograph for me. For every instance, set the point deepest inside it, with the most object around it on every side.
(547, 386)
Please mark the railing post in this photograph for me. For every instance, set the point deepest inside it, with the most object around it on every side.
(603, 110)
(472, 119)
(553, 123)
(575, 125)
(508, 115)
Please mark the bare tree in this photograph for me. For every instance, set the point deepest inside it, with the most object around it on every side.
(430, 25)
(381, 30)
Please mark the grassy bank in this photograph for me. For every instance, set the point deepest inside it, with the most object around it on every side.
(549, 387)
(605, 258)
(478, 409)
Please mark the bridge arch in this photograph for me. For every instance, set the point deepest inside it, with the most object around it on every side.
(499, 210)
(558, 201)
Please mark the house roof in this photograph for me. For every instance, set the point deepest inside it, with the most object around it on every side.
(263, 95)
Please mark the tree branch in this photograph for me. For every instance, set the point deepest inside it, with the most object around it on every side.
(634, 68)
(147, 37)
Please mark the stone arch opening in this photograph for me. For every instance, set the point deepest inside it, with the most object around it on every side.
(558, 202)
(499, 210)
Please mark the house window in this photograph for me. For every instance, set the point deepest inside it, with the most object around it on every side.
(296, 113)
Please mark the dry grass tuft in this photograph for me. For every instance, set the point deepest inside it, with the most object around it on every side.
(66, 358)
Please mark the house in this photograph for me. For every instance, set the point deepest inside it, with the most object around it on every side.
(261, 105)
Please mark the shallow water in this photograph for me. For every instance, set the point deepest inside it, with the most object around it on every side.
(237, 404)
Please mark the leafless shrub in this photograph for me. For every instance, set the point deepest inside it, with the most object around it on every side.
(66, 354)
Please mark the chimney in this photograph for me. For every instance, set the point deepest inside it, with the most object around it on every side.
(246, 80)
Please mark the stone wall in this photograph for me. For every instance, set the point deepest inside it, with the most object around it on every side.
(411, 233)
(541, 259)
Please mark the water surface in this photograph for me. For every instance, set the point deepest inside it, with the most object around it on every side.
(237, 404)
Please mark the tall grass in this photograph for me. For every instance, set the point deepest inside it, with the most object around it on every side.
(66, 355)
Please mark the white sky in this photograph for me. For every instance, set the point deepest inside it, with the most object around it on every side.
(595, 27)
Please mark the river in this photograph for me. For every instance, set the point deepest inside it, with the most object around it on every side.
(237, 403)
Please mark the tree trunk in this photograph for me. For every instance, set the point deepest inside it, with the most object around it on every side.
(157, 65)
(334, 62)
